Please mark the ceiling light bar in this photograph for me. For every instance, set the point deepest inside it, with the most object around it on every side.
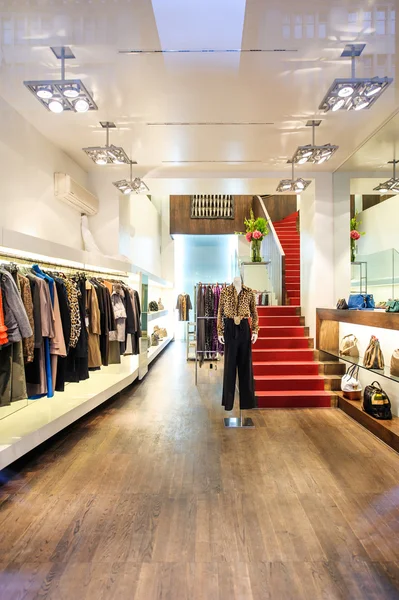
(312, 153)
(354, 93)
(108, 154)
(63, 94)
(293, 186)
(392, 185)
(134, 186)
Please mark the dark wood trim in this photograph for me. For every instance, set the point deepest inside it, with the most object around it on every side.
(371, 318)
(387, 431)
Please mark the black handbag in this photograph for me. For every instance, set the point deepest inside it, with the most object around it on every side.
(342, 304)
(153, 306)
(376, 402)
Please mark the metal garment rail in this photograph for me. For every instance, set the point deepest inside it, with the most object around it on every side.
(197, 318)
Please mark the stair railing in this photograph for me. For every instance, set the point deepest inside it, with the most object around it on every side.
(272, 251)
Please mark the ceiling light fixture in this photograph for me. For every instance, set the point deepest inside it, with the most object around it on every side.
(293, 186)
(135, 185)
(70, 94)
(312, 153)
(354, 93)
(392, 185)
(108, 154)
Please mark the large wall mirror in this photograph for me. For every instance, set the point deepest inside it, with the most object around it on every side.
(367, 180)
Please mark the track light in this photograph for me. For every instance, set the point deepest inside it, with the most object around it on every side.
(70, 94)
(354, 93)
(108, 154)
(293, 186)
(135, 185)
(392, 185)
(312, 153)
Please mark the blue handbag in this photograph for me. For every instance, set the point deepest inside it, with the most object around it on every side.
(361, 302)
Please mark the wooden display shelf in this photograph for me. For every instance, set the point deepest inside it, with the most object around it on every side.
(387, 431)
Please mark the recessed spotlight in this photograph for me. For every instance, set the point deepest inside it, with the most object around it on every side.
(44, 92)
(338, 104)
(56, 106)
(81, 105)
(361, 103)
(346, 91)
(71, 91)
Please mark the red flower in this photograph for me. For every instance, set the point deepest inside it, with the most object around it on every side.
(257, 235)
(355, 235)
(249, 236)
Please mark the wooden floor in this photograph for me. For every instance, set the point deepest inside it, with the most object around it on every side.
(151, 498)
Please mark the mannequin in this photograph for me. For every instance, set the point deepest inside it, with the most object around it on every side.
(238, 285)
(238, 325)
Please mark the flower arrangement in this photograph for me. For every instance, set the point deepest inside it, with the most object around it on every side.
(355, 235)
(255, 231)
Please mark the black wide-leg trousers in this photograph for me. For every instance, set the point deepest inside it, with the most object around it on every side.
(238, 356)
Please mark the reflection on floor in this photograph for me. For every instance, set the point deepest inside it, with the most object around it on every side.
(151, 498)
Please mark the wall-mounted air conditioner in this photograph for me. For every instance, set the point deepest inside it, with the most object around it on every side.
(71, 192)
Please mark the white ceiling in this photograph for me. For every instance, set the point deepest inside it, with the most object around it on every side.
(278, 91)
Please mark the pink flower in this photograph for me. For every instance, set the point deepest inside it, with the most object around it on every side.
(355, 235)
(257, 235)
(249, 236)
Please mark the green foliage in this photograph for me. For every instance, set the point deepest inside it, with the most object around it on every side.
(252, 224)
(355, 224)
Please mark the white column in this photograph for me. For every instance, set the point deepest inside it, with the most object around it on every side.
(317, 248)
(342, 265)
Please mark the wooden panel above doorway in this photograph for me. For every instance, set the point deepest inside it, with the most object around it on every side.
(278, 207)
(181, 221)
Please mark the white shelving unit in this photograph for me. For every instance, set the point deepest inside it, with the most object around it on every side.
(157, 315)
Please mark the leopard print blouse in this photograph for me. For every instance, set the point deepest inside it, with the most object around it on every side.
(73, 301)
(242, 305)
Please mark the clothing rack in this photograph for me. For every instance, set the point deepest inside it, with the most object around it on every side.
(197, 318)
(23, 260)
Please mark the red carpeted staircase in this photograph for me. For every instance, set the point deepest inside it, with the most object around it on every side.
(286, 367)
(288, 235)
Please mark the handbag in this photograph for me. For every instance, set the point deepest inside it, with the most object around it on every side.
(361, 302)
(373, 357)
(395, 363)
(154, 339)
(348, 346)
(350, 384)
(392, 306)
(160, 305)
(342, 304)
(153, 306)
(381, 305)
(376, 402)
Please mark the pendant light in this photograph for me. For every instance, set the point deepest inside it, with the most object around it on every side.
(135, 185)
(312, 153)
(62, 94)
(392, 185)
(354, 93)
(108, 154)
(293, 186)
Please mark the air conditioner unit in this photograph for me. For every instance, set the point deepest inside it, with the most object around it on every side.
(67, 190)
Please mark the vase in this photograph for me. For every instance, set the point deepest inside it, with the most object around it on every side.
(255, 251)
(353, 251)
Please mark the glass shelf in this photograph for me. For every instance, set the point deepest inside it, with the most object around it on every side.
(359, 362)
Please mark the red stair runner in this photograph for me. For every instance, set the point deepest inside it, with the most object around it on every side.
(286, 230)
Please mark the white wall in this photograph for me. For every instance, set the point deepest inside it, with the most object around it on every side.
(317, 248)
(27, 165)
(145, 234)
(341, 228)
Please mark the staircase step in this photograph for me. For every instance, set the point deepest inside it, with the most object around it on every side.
(267, 383)
(279, 321)
(283, 343)
(273, 311)
(282, 331)
(294, 399)
(295, 355)
(279, 368)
